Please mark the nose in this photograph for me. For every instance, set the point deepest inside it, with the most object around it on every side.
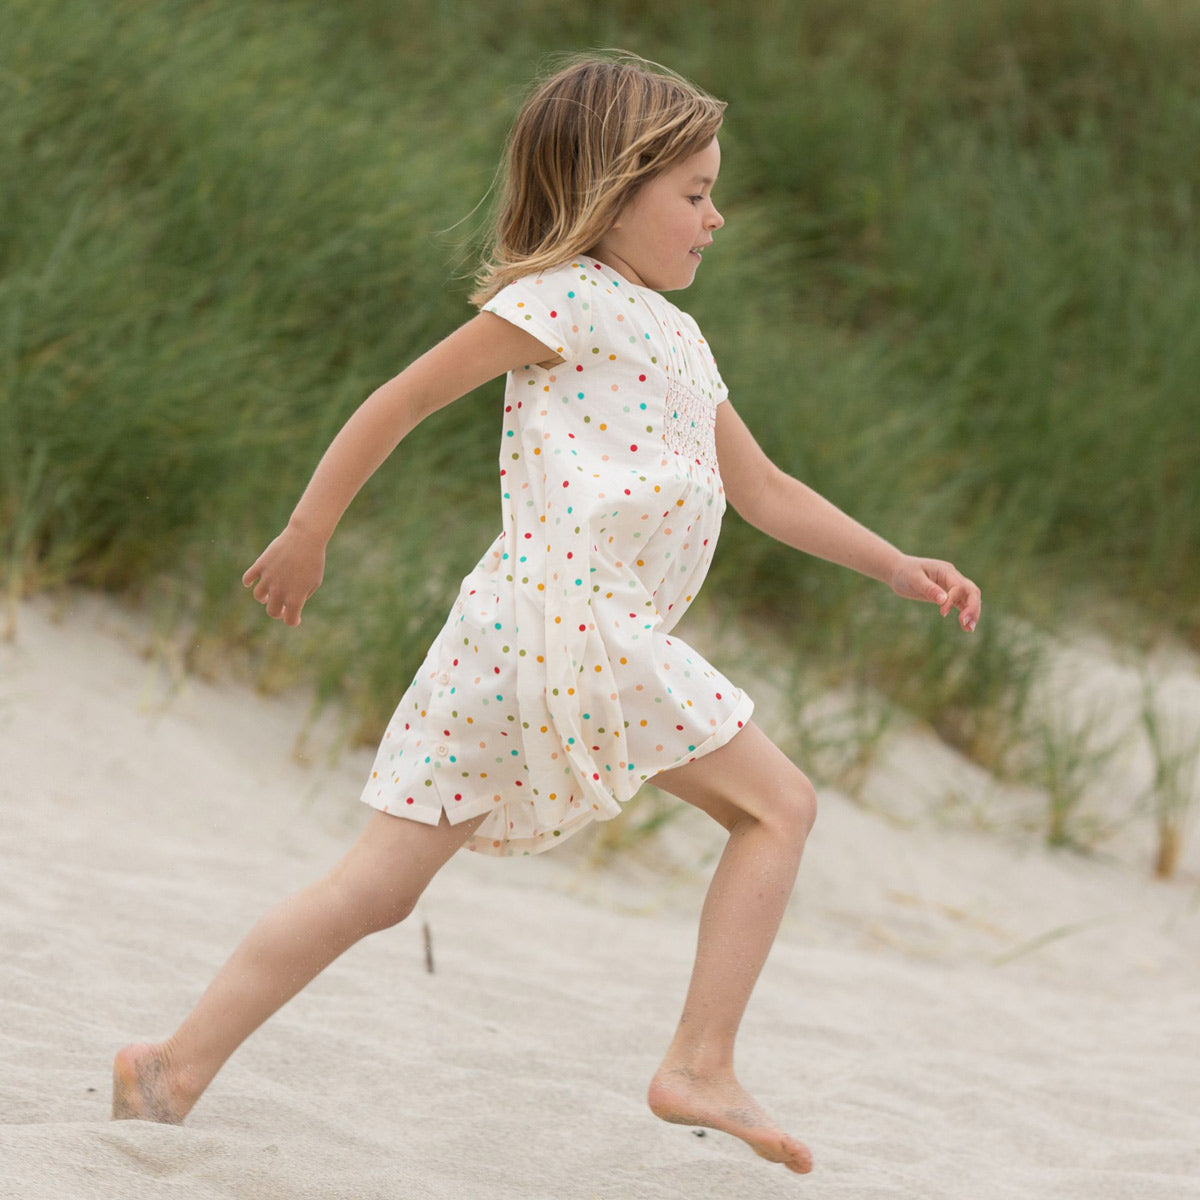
(715, 220)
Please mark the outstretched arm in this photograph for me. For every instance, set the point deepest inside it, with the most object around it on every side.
(792, 513)
(290, 569)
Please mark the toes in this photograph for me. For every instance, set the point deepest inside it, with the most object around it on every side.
(799, 1157)
(785, 1150)
(801, 1164)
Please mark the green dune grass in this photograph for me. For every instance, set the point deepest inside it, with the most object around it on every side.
(958, 291)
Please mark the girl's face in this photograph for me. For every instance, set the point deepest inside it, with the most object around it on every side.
(661, 233)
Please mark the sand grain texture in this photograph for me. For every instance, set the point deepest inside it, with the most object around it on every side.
(946, 1014)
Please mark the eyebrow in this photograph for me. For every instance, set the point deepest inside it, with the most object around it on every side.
(702, 179)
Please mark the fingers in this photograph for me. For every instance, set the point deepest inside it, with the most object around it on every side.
(964, 596)
(936, 594)
(286, 574)
(969, 607)
(944, 585)
(279, 606)
(278, 609)
(926, 586)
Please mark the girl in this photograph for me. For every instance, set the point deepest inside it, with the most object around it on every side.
(557, 687)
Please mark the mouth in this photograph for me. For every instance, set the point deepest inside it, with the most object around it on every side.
(698, 251)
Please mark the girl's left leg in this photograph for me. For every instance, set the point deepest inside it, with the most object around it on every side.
(768, 806)
(375, 885)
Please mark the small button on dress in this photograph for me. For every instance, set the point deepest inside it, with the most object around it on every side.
(557, 686)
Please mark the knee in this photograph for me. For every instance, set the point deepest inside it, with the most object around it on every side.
(794, 810)
(386, 911)
(370, 905)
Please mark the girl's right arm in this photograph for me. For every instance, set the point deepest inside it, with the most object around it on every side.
(290, 569)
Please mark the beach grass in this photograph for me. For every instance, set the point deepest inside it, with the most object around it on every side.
(1175, 752)
(958, 291)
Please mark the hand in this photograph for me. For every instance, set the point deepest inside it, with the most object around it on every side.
(286, 573)
(939, 583)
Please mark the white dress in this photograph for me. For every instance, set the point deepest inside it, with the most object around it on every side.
(556, 688)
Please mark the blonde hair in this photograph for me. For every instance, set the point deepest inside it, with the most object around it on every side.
(583, 143)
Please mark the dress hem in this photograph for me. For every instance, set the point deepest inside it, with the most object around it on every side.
(481, 843)
(732, 725)
(432, 816)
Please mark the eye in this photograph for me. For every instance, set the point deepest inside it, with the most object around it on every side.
(695, 199)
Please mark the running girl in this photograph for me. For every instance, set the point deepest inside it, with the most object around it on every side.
(557, 686)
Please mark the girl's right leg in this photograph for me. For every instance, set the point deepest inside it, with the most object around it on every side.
(374, 886)
(767, 805)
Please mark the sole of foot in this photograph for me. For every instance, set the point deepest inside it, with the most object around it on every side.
(726, 1107)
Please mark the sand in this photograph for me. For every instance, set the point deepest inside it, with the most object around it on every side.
(951, 1010)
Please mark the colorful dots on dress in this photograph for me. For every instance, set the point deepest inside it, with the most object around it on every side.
(543, 740)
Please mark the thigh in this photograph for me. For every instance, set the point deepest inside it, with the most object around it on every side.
(398, 854)
(747, 777)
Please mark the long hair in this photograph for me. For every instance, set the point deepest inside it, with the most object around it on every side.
(583, 143)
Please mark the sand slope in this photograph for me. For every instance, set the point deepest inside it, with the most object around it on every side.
(947, 1013)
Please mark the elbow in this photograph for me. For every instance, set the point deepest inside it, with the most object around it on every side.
(757, 499)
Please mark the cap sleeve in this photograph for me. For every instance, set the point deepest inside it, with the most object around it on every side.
(551, 307)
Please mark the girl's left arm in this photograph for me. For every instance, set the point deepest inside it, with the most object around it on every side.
(792, 513)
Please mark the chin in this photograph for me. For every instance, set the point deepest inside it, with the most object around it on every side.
(678, 283)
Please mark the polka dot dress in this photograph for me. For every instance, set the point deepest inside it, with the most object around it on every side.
(556, 687)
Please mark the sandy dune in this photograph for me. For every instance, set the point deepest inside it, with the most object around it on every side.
(949, 1012)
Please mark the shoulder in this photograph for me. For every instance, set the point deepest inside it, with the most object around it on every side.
(676, 316)
(565, 307)
(553, 281)
(580, 282)
(701, 356)
(544, 295)
(551, 305)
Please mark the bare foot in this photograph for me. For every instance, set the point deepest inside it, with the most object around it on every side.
(685, 1097)
(142, 1087)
